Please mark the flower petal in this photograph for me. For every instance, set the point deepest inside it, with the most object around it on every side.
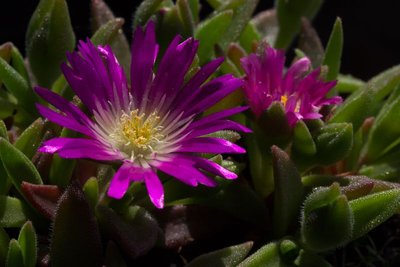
(210, 145)
(154, 188)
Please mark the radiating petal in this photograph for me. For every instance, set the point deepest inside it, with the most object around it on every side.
(210, 145)
(120, 181)
(154, 188)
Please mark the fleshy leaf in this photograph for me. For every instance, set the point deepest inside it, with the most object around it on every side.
(310, 43)
(135, 234)
(309, 259)
(209, 33)
(75, 230)
(18, 167)
(288, 194)
(49, 37)
(333, 53)
(4, 241)
(186, 16)
(267, 24)
(324, 209)
(249, 37)
(43, 197)
(14, 255)
(144, 11)
(18, 63)
(230, 256)
(11, 212)
(303, 142)
(348, 84)
(30, 139)
(107, 32)
(289, 14)
(91, 190)
(28, 242)
(268, 255)
(372, 210)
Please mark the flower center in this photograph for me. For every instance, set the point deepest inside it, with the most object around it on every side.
(284, 99)
(138, 135)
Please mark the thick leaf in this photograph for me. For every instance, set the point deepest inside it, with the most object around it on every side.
(135, 234)
(107, 32)
(334, 142)
(91, 190)
(42, 197)
(288, 194)
(309, 259)
(14, 255)
(348, 84)
(209, 33)
(101, 14)
(303, 142)
(75, 230)
(186, 16)
(241, 16)
(18, 63)
(249, 37)
(49, 37)
(267, 255)
(11, 212)
(310, 43)
(144, 11)
(28, 242)
(333, 53)
(30, 139)
(18, 167)
(5, 51)
(360, 105)
(372, 210)
(327, 220)
(18, 87)
(3, 130)
(385, 131)
(289, 14)
(267, 24)
(4, 241)
(230, 256)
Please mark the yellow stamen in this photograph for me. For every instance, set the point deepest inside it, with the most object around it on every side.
(284, 99)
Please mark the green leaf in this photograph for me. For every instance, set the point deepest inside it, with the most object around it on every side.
(11, 212)
(289, 14)
(49, 37)
(107, 32)
(288, 194)
(241, 16)
(348, 84)
(230, 256)
(144, 11)
(5, 51)
(18, 87)
(30, 139)
(309, 259)
(4, 241)
(3, 130)
(249, 35)
(209, 33)
(18, 167)
(194, 6)
(18, 63)
(14, 255)
(327, 220)
(75, 230)
(268, 255)
(186, 16)
(61, 169)
(360, 105)
(303, 142)
(333, 51)
(28, 243)
(372, 210)
(135, 233)
(267, 25)
(91, 190)
(385, 131)
(334, 142)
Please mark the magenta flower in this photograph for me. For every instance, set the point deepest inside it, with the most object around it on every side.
(301, 93)
(153, 123)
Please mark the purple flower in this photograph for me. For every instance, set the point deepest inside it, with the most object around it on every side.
(301, 92)
(153, 123)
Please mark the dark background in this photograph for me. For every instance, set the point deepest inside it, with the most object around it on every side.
(371, 28)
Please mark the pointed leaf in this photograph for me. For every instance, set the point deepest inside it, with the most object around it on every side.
(303, 142)
(372, 210)
(75, 230)
(288, 194)
(333, 53)
(209, 33)
(18, 167)
(3, 130)
(348, 84)
(108, 32)
(249, 37)
(289, 14)
(28, 242)
(49, 37)
(310, 43)
(230, 256)
(91, 190)
(186, 16)
(144, 11)
(267, 24)
(42, 197)
(18, 63)
(14, 255)
(267, 255)
(135, 234)
(30, 139)
(11, 212)
(326, 209)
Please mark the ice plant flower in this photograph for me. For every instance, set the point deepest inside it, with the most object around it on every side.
(153, 123)
(301, 92)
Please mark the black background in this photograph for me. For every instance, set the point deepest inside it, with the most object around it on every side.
(371, 28)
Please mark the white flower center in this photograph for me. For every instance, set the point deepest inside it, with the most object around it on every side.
(136, 135)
